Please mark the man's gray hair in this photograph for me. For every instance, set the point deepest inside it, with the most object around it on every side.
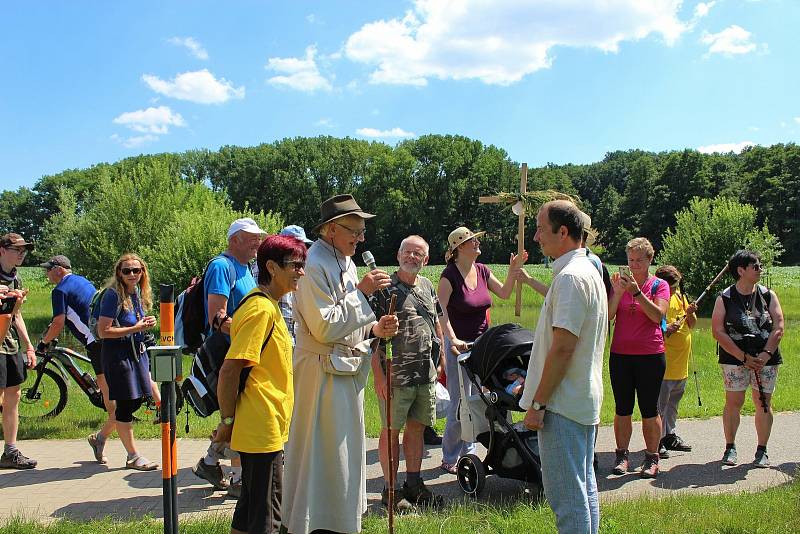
(412, 237)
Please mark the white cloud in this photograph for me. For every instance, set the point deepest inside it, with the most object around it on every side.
(500, 41)
(194, 47)
(325, 122)
(301, 74)
(724, 148)
(134, 141)
(702, 9)
(394, 132)
(199, 86)
(733, 40)
(797, 120)
(151, 120)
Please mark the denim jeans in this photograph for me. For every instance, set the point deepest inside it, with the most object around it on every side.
(452, 444)
(566, 450)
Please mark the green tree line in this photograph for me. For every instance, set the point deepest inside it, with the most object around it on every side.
(428, 185)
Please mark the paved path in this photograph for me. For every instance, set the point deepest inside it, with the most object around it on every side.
(67, 483)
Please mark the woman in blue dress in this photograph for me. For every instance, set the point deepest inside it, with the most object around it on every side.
(122, 326)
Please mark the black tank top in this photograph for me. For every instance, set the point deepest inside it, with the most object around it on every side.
(748, 323)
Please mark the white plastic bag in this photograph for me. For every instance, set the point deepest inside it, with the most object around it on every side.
(442, 401)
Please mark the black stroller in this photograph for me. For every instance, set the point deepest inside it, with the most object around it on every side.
(512, 450)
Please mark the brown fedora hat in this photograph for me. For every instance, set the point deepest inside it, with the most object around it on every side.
(340, 206)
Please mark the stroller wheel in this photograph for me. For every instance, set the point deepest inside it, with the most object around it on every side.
(471, 474)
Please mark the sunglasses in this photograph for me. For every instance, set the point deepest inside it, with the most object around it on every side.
(296, 265)
(128, 270)
(756, 266)
(18, 250)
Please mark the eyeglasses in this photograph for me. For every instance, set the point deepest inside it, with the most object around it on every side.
(19, 250)
(756, 266)
(127, 270)
(356, 233)
(413, 254)
(296, 265)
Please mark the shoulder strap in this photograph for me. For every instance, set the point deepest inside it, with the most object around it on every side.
(421, 310)
(231, 267)
(654, 288)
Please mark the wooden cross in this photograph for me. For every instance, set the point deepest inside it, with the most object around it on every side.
(523, 188)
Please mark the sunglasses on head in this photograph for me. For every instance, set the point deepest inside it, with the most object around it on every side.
(130, 270)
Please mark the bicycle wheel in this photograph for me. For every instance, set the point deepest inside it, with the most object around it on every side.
(49, 398)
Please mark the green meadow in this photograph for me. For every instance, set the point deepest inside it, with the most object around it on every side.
(81, 418)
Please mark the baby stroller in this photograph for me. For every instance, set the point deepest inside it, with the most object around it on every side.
(512, 450)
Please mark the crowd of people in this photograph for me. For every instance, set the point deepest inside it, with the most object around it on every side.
(305, 332)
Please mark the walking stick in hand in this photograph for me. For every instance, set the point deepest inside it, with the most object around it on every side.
(761, 396)
(392, 304)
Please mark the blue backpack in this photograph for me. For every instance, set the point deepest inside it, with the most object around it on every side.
(653, 290)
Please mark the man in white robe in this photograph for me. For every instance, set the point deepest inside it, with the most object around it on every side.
(324, 485)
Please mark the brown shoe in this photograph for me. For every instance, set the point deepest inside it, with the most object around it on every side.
(420, 495)
(621, 462)
(650, 465)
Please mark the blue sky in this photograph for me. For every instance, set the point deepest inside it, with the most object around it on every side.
(547, 80)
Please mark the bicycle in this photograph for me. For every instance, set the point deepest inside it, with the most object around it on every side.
(44, 392)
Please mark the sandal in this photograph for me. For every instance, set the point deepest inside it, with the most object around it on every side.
(449, 468)
(140, 463)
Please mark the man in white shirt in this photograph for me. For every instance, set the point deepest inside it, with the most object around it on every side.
(564, 385)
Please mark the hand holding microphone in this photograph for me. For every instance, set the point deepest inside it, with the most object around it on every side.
(376, 279)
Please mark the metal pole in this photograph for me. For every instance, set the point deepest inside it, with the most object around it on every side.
(169, 448)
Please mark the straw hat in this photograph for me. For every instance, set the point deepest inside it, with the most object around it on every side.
(460, 235)
(591, 233)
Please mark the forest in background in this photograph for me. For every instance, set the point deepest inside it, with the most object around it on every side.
(430, 185)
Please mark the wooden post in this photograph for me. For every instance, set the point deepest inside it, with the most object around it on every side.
(523, 189)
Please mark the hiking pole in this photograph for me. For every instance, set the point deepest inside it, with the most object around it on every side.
(392, 304)
(696, 302)
(694, 371)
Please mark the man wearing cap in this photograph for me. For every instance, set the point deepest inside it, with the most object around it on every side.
(324, 485)
(13, 249)
(227, 280)
(286, 302)
(71, 298)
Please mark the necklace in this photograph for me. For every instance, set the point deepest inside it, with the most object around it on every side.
(748, 305)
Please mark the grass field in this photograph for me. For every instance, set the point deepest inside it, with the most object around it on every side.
(770, 511)
(81, 418)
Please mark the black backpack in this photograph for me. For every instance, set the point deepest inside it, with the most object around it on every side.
(190, 310)
(200, 387)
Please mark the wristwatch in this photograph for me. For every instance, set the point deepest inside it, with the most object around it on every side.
(536, 406)
(227, 420)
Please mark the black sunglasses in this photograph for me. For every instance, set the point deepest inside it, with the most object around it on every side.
(297, 265)
(128, 270)
(756, 266)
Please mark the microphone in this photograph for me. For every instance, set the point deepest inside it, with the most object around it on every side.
(369, 260)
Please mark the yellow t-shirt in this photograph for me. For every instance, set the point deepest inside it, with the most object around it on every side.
(679, 344)
(264, 408)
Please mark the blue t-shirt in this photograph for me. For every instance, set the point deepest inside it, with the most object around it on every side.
(218, 282)
(71, 297)
(108, 308)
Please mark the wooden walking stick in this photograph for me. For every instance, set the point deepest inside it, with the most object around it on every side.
(392, 304)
